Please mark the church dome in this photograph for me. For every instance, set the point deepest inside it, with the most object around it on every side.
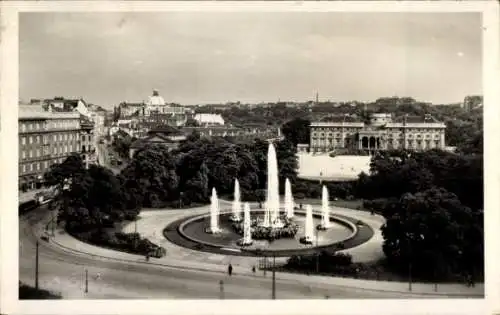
(156, 99)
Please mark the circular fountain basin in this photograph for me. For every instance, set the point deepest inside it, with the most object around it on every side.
(194, 230)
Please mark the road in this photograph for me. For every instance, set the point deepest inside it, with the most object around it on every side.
(61, 271)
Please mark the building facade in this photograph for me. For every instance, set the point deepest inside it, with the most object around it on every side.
(45, 138)
(87, 144)
(382, 132)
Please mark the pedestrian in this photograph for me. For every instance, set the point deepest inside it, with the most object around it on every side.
(147, 257)
(230, 269)
(98, 276)
(253, 269)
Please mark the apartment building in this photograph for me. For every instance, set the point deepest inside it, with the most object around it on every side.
(46, 137)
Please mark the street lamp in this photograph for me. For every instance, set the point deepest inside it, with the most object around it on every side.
(274, 277)
(317, 252)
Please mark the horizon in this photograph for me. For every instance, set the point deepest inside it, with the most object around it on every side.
(262, 58)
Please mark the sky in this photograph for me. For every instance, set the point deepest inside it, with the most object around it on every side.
(251, 57)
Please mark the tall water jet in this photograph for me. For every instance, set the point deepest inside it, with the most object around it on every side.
(214, 213)
(288, 199)
(325, 210)
(236, 216)
(247, 231)
(273, 201)
(309, 227)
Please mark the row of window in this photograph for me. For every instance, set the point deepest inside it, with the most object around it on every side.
(400, 135)
(28, 126)
(389, 130)
(38, 166)
(55, 150)
(390, 142)
(55, 137)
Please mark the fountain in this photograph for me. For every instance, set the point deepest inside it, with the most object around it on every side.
(325, 211)
(288, 199)
(236, 217)
(214, 214)
(272, 200)
(247, 229)
(272, 208)
(309, 227)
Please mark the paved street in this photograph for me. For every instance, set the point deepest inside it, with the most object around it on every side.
(62, 270)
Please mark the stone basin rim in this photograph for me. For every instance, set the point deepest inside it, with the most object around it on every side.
(351, 226)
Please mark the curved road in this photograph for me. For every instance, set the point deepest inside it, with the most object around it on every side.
(63, 272)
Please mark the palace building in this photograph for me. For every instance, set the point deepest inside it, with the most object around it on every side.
(381, 132)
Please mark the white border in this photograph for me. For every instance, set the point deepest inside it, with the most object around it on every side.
(9, 157)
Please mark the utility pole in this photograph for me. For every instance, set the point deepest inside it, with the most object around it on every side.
(274, 277)
(221, 287)
(86, 281)
(36, 266)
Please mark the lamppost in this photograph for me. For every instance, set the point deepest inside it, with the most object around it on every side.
(408, 237)
(36, 266)
(86, 281)
(317, 253)
(221, 289)
(274, 277)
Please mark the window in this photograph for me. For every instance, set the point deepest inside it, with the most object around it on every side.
(24, 154)
(23, 127)
(55, 150)
(31, 139)
(31, 167)
(31, 153)
(37, 152)
(23, 140)
(37, 166)
(60, 137)
(54, 137)
(65, 137)
(23, 168)
(46, 164)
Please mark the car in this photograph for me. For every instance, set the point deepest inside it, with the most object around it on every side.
(45, 238)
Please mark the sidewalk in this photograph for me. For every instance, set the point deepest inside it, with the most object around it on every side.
(69, 244)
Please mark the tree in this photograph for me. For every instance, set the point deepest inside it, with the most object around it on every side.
(297, 131)
(430, 229)
(196, 188)
(190, 122)
(60, 174)
(154, 170)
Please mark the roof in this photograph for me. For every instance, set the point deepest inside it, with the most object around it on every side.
(150, 139)
(209, 119)
(125, 104)
(417, 119)
(340, 118)
(39, 112)
(165, 130)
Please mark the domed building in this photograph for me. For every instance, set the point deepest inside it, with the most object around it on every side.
(155, 104)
